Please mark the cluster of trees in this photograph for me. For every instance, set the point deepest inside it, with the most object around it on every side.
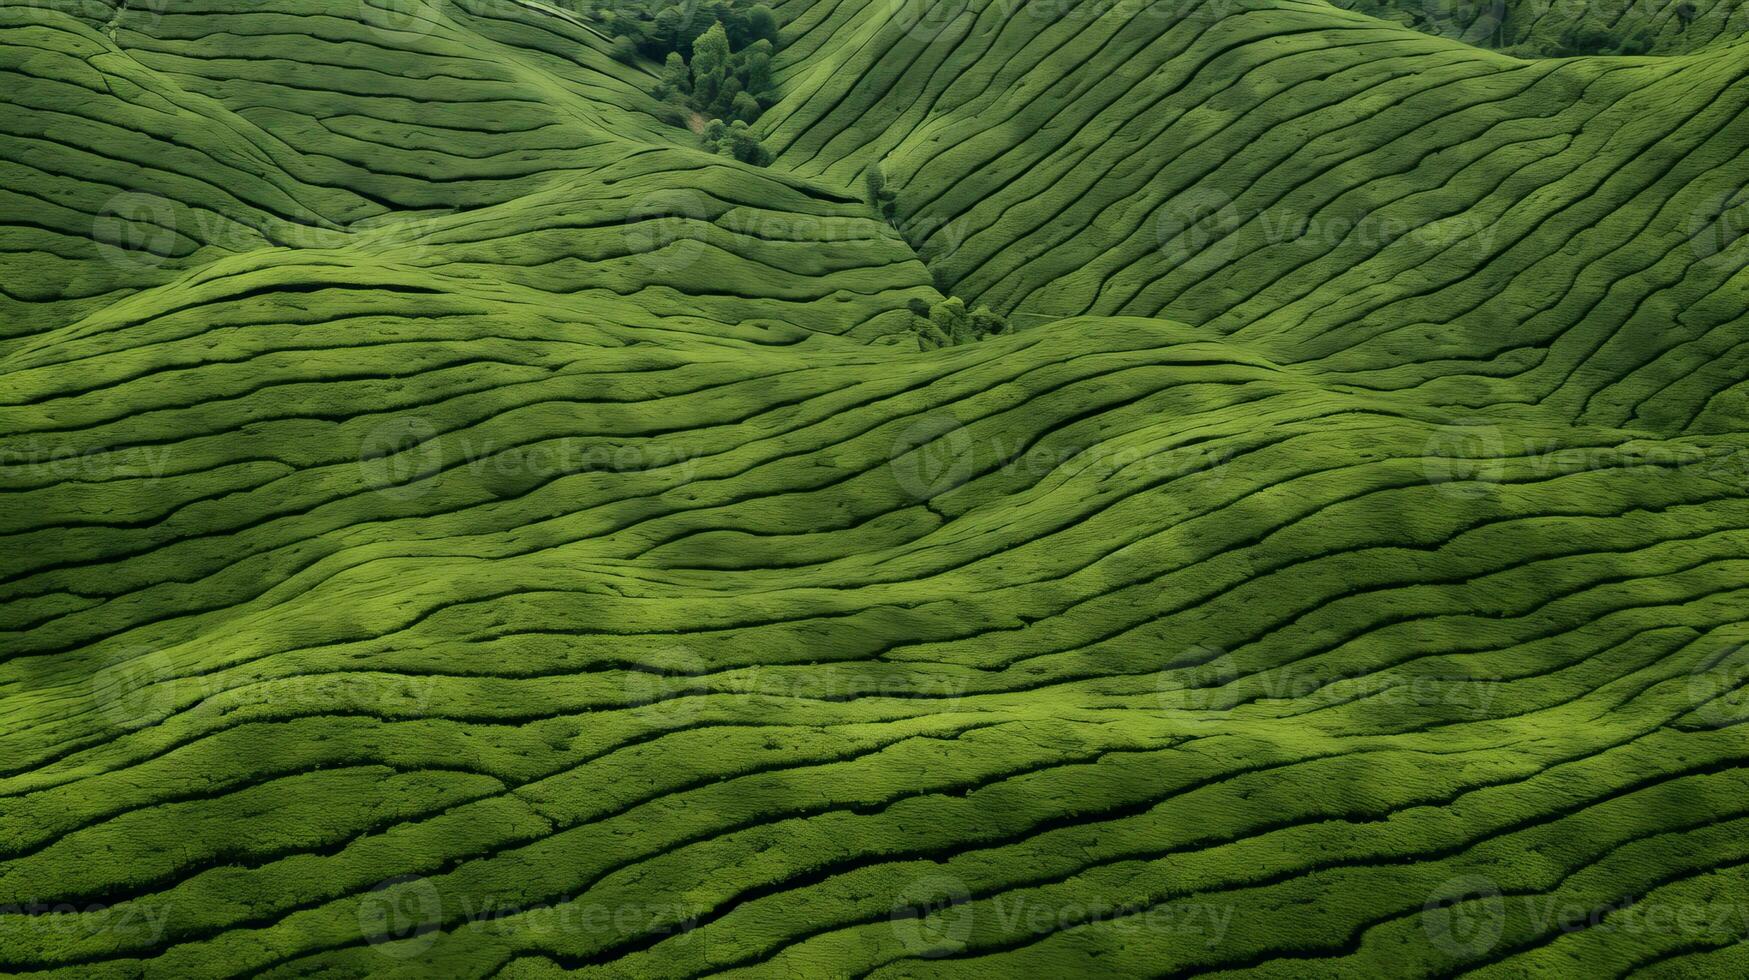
(1495, 24)
(944, 324)
(948, 323)
(1597, 36)
(1583, 40)
(736, 140)
(654, 28)
(716, 62)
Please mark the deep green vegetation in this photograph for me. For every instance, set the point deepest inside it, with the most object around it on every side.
(1549, 29)
(454, 524)
(948, 323)
(716, 62)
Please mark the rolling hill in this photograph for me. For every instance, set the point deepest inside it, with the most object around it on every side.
(455, 524)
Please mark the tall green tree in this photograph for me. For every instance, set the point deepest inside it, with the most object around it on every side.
(675, 74)
(710, 66)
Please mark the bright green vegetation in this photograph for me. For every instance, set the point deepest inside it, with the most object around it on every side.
(451, 524)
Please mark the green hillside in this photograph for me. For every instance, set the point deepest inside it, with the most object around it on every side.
(455, 523)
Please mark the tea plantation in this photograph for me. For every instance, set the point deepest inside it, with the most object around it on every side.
(460, 517)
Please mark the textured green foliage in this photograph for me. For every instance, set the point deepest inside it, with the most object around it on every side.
(948, 323)
(450, 525)
(1535, 29)
(716, 61)
(710, 67)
